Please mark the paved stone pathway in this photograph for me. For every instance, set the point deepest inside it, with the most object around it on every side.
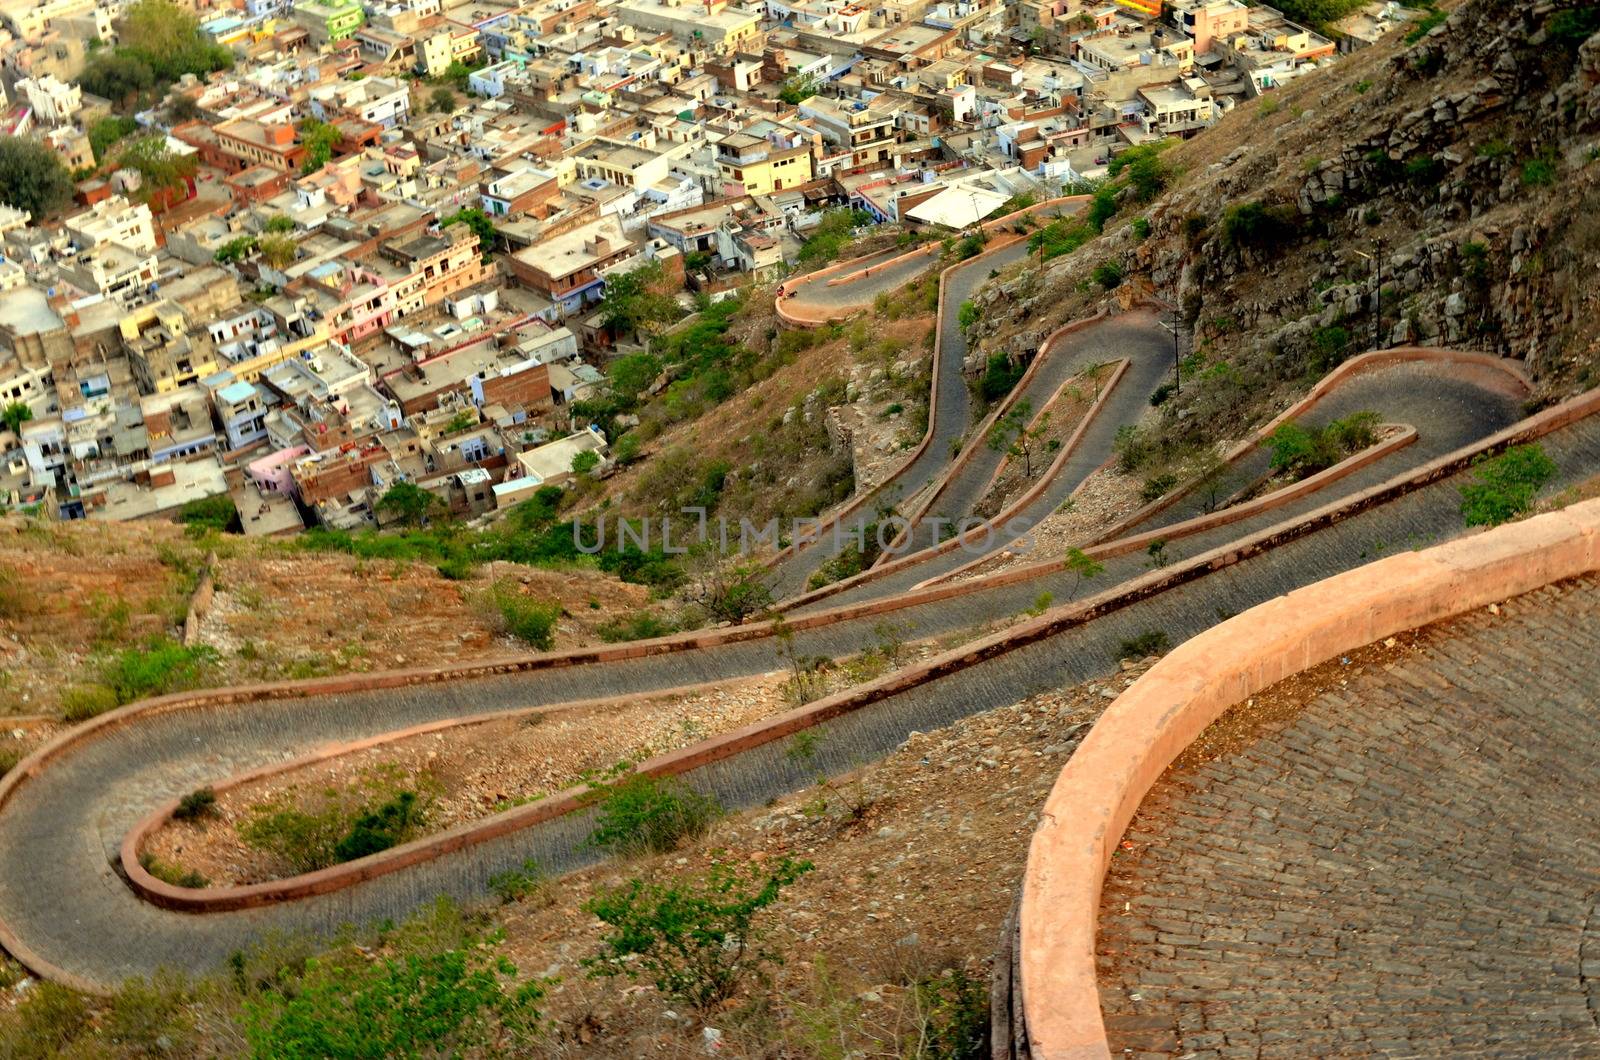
(1406, 865)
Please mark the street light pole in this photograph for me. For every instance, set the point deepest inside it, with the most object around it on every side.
(1177, 374)
(1377, 294)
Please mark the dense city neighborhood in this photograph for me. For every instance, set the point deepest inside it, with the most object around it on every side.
(292, 254)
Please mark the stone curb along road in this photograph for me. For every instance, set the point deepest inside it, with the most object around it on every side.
(66, 812)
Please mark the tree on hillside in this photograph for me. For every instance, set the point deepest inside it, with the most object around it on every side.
(32, 177)
(633, 301)
(1011, 434)
(409, 503)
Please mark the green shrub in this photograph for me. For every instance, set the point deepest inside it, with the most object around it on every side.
(47, 1020)
(640, 625)
(152, 1017)
(1425, 171)
(1150, 642)
(1254, 224)
(1157, 486)
(955, 1016)
(967, 315)
(643, 814)
(160, 667)
(456, 568)
(210, 513)
(304, 839)
(1570, 28)
(1300, 451)
(531, 621)
(1107, 274)
(462, 1001)
(696, 940)
(1141, 227)
(201, 802)
(999, 376)
(1538, 172)
(173, 874)
(519, 884)
(390, 824)
(82, 702)
(1427, 22)
(1504, 487)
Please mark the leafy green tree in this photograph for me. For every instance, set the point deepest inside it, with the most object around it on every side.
(32, 177)
(122, 79)
(168, 38)
(319, 139)
(107, 131)
(442, 100)
(1012, 435)
(633, 301)
(798, 89)
(158, 167)
(279, 223)
(585, 462)
(235, 250)
(475, 219)
(15, 415)
(696, 940)
(1082, 567)
(409, 503)
(182, 108)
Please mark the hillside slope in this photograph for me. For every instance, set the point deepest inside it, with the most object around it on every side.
(1457, 173)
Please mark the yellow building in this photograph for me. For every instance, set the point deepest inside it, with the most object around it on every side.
(751, 163)
(715, 25)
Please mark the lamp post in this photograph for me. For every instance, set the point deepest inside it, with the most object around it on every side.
(1377, 290)
(1177, 372)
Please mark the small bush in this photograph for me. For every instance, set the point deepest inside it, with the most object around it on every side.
(642, 814)
(641, 625)
(967, 314)
(199, 803)
(531, 621)
(173, 874)
(160, 667)
(152, 1017)
(1538, 172)
(82, 702)
(696, 940)
(1157, 486)
(47, 1021)
(391, 824)
(463, 1001)
(1107, 274)
(999, 377)
(305, 840)
(1300, 451)
(1253, 224)
(955, 1016)
(1150, 642)
(1504, 487)
(520, 884)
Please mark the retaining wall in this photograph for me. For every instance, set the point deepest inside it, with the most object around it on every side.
(1171, 705)
(763, 733)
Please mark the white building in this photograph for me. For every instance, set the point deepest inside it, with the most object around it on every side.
(53, 102)
(114, 220)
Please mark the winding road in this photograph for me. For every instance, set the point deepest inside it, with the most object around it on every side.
(69, 911)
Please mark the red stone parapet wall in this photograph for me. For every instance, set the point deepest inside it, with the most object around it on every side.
(1152, 723)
